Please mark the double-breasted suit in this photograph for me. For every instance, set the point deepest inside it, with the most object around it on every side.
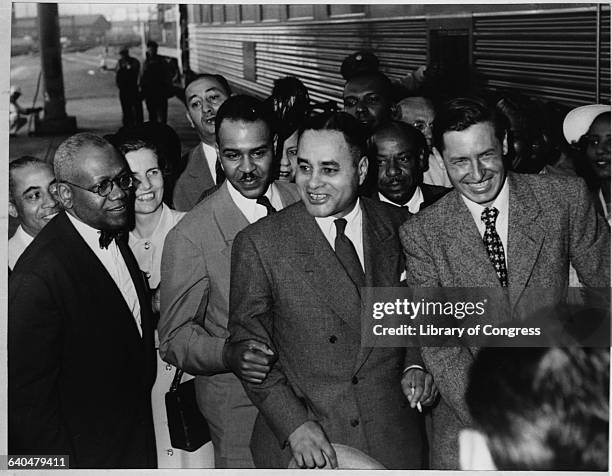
(289, 290)
(552, 222)
(195, 287)
(80, 374)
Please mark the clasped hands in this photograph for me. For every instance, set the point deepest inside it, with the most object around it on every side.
(249, 359)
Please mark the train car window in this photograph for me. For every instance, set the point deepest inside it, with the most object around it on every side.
(249, 13)
(301, 12)
(218, 13)
(231, 13)
(271, 12)
(206, 13)
(337, 10)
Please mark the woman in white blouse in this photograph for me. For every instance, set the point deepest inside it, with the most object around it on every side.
(152, 221)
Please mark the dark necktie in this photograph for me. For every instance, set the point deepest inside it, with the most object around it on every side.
(263, 200)
(346, 253)
(219, 174)
(107, 236)
(494, 245)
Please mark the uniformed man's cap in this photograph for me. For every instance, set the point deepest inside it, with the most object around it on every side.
(360, 62)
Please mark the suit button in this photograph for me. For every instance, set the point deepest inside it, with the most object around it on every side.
(333, 339)
(354, 422)
(354, 380)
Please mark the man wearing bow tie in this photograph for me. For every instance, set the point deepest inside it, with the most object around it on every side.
(81, 351)
(296, 285)
(496, 229)
(195, 278)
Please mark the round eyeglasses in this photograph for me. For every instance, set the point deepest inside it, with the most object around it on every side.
(104, 188)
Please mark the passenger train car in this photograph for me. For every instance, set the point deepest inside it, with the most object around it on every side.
(551, 52)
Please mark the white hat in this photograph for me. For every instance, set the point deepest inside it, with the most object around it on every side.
(349, 458)
(578, 121)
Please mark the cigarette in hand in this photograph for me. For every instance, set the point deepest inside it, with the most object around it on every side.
(418, 405)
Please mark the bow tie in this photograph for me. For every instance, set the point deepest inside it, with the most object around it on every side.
(107, 236)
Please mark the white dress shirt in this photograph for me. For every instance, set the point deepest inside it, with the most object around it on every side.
(436, 174)
(148, 250)
(502, 203)
(211, 159)
(114, 263)
(249, 207)
(353, 230)
(17, 245)
(414, 204)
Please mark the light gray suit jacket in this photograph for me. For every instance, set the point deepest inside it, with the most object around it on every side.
(289, 290)
(193, 182)
(552, 222)
(195, 286)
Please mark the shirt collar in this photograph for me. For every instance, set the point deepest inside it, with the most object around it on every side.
(89, 233)
(501, 202)
(164, 223)
(327, 223)
(248, 205)
(23, 235)
(414, 204)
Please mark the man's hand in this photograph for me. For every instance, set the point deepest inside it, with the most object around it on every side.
(249, 359)
(418, 387)
(310, 447)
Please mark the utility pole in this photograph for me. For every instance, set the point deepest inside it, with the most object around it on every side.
(55, 119)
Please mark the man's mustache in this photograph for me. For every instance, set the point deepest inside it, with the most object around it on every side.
(248, 176)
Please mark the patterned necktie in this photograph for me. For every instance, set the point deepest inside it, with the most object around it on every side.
(494, 245)
(263, 200)
(346, 253)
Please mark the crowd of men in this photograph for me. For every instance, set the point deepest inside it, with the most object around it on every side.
(256, 288)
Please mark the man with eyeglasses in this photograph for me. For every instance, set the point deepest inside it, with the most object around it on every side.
(81, 350)
(419, 112)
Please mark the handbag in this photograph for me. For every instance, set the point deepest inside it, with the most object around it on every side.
(187, 426)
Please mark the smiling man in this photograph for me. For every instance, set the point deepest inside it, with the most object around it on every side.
(81, 351)
(204, 95)
(30, 201)
(495, 229)
(296, 286)
(195, 279)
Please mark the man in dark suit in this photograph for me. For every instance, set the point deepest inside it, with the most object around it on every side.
(295, 285)
(204, 95)
(80, 347)
(400, 153)
(195, 282)
(495, 229)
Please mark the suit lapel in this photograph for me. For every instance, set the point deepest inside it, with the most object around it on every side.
(381, 257)
(314, 259)
(229, 218)
(473, 266)
(525, 236)
(98, 277)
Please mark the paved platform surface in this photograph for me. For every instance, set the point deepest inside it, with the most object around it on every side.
(91, 96)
